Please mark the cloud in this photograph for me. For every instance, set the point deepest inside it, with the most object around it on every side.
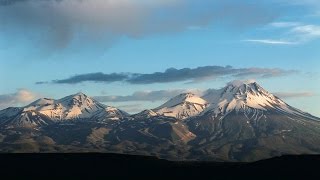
(264, 72)
(306, 32)
(62, 22)
(284, 24)
(131, 108)
(20, 97)
(240, 82)
(10, 2)
(287, 95)
(205, 73)
(42, 82)
(145, 96)
(164, 95)
(295, 33)
(95, 77)
(176, 75)
(271, 41)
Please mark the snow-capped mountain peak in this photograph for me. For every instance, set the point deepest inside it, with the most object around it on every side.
(78, 99)
(42, 102)
(145, 114)
(71, 107)
(182, 106)
(241, 122)
(243, 88)
(245, 97)
(45, 110)
(181, 98)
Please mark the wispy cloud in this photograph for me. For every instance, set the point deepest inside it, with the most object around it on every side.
(296, 33)
(95, 77)
(284, 24)
(131, 108)
(163, 95)
(288, 95)
(306, 32)
(271, 41)
(20, 97)
(10, 2)
(146, 95)
(203, 73)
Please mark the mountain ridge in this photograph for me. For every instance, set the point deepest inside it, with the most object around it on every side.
(241, 122)
(72, 107)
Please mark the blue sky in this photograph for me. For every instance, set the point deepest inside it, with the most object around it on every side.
(55, 42)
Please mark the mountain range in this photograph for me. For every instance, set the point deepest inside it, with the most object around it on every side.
(239, 123)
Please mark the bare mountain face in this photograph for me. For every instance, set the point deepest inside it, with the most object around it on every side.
(241, 122)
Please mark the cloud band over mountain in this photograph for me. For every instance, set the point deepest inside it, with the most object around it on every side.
(162, 95)
(288, 95)
(143, 96)
(176, 75)
(22, 96)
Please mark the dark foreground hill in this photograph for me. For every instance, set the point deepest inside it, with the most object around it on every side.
(95, 166)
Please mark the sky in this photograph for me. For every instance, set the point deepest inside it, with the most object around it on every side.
(136, 54)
